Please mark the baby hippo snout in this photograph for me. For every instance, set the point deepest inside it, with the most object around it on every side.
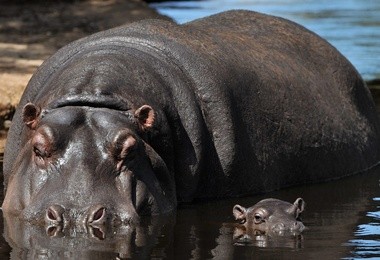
(272, 215)
(58, 215)
(292, 226)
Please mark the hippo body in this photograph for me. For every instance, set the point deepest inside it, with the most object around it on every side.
(132, 120)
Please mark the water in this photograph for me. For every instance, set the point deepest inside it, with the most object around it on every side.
(353, 26)
(343, 217)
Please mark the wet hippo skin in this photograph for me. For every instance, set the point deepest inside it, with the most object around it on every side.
(130, 121)
(271, 216)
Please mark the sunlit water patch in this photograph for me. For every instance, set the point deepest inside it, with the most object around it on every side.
(367, 241)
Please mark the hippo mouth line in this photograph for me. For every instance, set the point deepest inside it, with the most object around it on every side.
(97, 101)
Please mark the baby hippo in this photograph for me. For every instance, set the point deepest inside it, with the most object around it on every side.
(272, 216)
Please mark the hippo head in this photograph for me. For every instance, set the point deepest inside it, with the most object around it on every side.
(88, 165)
(271, 216)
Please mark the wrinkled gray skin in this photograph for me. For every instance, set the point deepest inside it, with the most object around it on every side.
(271, 216)
(130, 121)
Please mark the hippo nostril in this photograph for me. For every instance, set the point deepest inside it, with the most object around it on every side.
(97, 232)
(51, 215)
(97, 216)
(54, 214)
(54, 231)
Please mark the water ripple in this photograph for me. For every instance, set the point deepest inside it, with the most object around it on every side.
(367, 242)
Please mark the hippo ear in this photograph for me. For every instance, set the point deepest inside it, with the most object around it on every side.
(300, 205)
(240, 213)
(145, 117)
(30, 114)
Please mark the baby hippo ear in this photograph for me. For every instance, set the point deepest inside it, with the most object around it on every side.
(145, 117)
(30, 113)
(240, 213)
(297, 207)
(300, 205)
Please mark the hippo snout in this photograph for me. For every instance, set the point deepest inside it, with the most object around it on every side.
(58, 215)
(97, 215)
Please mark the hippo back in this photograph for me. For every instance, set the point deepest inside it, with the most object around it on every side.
(254, 102)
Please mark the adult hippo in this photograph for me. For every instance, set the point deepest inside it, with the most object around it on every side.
(130, 121)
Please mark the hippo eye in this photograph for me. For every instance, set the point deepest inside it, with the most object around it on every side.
(39, 153)
(40, 156)
(42, 144)
(258, 218)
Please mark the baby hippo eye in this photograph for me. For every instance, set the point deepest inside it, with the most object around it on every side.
(258, 218)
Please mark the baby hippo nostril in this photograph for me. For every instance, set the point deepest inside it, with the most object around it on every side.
(54, 214)
(97, 215)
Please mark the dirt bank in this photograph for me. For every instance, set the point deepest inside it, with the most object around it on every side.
(30, 32)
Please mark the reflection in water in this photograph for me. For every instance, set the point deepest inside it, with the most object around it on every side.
(160, 238)
(37, 242)
(243, 237)
(208, 230)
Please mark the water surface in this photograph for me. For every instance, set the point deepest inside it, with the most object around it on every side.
(342, 219)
